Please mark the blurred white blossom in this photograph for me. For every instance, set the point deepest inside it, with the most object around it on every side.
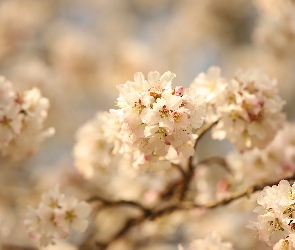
(249, 110)
(272, 163)
(55, 216)
(22, 117)
(276, 27)
(92, 149)
(212, 241)
(275, 224)
(210, 85)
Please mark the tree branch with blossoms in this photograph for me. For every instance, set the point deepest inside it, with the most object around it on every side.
(152, 214)
(153, 137)
(242, 108)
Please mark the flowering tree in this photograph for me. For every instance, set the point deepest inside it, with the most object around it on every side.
(140, 178)
(157, 128)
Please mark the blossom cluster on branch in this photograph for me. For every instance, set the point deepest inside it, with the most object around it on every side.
(244, 106)
(149, 166)
(159, 119)
(22, 117)
(275, 161)
(275, 221)
(55, 216)
(157, 127)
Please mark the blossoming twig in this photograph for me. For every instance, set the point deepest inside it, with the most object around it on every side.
(182, 205)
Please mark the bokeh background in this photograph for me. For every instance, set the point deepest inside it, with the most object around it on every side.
(77, 51)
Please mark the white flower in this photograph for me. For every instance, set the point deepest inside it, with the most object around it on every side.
(74, 214)
(212, 241)
(157, 117)
(276, 161)
(55, 216)
(10, 114)
(282, 244)
(275, 224)
(22, 118)
(249, 110)
(92, 150)
(209, 85)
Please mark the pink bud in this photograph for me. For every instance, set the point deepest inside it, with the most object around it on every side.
(178, 90)
(253, 117)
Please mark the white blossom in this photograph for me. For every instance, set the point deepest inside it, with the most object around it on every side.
(92, 150)
(212, 241)
(271, 163)
(209, 85)
(275, 224)
(249, 110)
(22, 117)
(55, 216)
(157, 117)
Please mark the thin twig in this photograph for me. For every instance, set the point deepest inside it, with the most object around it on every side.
(109, 203)
(215, 160)
(154, 214)
(203, 130)
(171, 190)
(177, 204)
(220, 203)
(200, 133)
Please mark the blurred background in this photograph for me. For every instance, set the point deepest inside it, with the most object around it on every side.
(77, 51)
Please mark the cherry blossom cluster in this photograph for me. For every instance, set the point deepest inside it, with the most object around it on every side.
(158, 120)
(92, 150)
(22, 118)
(248, 107)
(210, 85)
(276, 218)
(211, 241)
(55, 216)
(155, 125)
(275, 161)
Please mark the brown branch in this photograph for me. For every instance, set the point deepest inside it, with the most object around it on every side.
(223, 202)
(16, 247)
(171, 190)
(177, 204)
(109, 203)
(203, 130)
(156, 213)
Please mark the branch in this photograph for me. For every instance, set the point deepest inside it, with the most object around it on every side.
(109, 203)
(171, 190)
(203, 130)
(154, 214)
(223, 202)
(15, 247)
(200, 133)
